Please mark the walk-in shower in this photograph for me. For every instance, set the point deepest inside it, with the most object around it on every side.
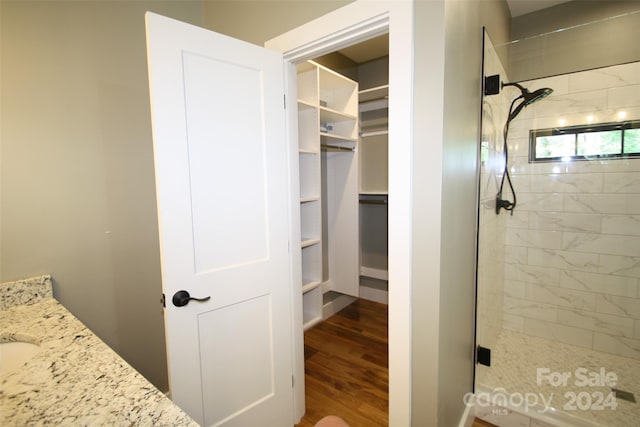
(558, 279)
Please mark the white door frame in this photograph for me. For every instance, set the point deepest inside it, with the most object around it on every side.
(348, 25)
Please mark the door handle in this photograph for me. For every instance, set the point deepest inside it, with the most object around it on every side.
(182, 298)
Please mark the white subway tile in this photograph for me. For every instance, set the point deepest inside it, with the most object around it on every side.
(563, 259)
(534, 238)
(623, 165)
(530, 309)
(515, 254)
(604, 78)
(559, 84)
(597, 322)
(519, 219)
(561, 221)
(621, 97)
(610, 244)
(621, 224)
(601, 203)
(532, 274)
(601, 283)
(515, 289)
(567, 183)
(622, 182)
(512, 322)
(519, 146)
(556, 332)
(561, 297)
(521, 183)
(518, 165)
(540, 201)
(587, 102)
(620, 265)
(621, 346)
(619, 306)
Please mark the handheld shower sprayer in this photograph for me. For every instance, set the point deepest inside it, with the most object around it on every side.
(527, 98)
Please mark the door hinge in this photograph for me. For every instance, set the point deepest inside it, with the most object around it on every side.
(292, 382)
(162, 300)
(285, 101)
(483, 356)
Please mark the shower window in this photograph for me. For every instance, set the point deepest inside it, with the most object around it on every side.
(609, 140)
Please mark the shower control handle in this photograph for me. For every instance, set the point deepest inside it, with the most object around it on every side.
(182, 298)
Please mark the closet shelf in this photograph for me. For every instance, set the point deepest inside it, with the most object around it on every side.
(335, 139)
(309, 199)
(308, 151)
(330, 115)
(309, 285)
(377, 104)
(374, 93)
(305, 105)
(306, 242)
(374, 133)
(384, 193)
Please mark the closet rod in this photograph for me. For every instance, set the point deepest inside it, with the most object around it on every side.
(373, 202)
(336, 147)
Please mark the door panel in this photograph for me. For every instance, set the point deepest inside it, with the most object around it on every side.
(231, 207)
(249, 377)
(221, 177)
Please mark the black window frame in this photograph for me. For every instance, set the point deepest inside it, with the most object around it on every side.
(581, 129)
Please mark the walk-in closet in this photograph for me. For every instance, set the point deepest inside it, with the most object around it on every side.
(343, 166)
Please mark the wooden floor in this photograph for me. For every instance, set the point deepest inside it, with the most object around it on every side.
(346, 367)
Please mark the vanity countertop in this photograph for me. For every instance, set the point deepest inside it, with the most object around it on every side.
(76, 379)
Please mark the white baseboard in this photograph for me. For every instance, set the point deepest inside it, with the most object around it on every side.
(467, 417)
(375, 295)
(335, 305)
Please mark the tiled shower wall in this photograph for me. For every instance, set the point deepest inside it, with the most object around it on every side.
(572, 255)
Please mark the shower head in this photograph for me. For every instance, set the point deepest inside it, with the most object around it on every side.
(528, 98)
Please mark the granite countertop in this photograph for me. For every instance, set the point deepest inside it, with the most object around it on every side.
(76, 379)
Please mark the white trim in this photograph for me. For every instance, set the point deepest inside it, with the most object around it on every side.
(348, 25)
(467, 417)
(375, 295)
(335, 305)
(374, 273)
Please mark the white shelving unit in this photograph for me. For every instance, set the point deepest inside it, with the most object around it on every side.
(373, 187)
(327, 141)
(374, 140)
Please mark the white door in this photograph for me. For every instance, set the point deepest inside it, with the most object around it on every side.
(221, 177)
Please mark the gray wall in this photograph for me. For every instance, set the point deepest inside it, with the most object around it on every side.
(257, 21)
(443, 309)
(77, 180)
(602, 43)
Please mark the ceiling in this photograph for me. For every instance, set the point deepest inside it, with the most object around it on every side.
(367, 50)
(379, 46)
(522, 7)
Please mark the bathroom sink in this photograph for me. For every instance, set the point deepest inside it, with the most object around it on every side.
(13, 354)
